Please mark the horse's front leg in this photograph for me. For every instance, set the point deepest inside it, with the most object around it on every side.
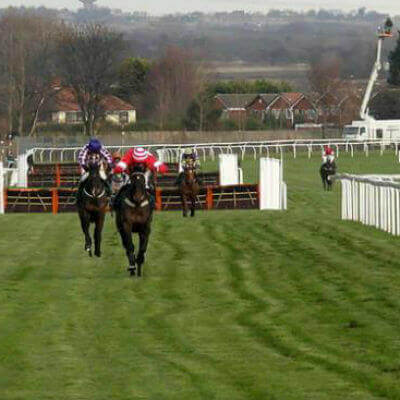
(97, 234)
(143, 242)
(85, 224)
(126, 236)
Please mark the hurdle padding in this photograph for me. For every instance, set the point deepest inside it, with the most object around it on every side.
(212, 197)
(235, 197)
(170, 199)
(54, 175)
(29, 200)
(169, 180)
(58, 200)
(66, 201)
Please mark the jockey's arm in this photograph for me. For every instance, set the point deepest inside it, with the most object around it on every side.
(126, 160)
(156, 166)
(82, 157)
(107, 156)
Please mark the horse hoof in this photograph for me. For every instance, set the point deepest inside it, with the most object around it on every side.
(97, 254)
(89, 251)
(131, 270)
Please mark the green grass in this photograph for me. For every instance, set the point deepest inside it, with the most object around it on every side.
(233, 305)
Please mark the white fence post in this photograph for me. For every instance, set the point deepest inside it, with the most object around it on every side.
(373, 201)
(228, 170)
(2, 187)
(272, 189)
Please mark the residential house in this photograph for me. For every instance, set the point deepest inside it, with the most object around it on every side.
(338, 108)
(234, 106)
(64, 109)
(258, 107)
(286, 108)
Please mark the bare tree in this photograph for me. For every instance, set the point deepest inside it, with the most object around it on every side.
(174, 81)
(87, 57)
(25, 60)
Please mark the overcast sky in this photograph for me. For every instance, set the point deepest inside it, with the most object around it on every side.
(171, 6)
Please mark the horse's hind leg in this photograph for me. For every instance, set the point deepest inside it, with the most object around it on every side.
(143, 240)
(184, 205)
(97, 235)
(193, 206)
(85, 223)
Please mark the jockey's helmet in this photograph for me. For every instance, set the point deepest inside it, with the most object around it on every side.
(94, 146)
(140, 154)
(188, 151)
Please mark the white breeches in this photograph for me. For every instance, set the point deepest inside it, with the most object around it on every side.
(102, 173)
(118, 181)
(147, 175)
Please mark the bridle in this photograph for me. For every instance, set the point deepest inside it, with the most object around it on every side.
(143, 202)
(95, 161)
(92, 196)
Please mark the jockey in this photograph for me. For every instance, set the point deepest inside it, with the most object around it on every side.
(328, 154)
(93, 147)
(140, 156)
(187, 155)
(118, 180)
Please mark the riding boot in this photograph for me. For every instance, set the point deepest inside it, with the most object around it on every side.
(152, 195)
(118, 197)
(179, 179)
(79, 193)
(108, 188)
(198, 180)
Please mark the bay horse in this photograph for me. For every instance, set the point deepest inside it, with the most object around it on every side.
(327, 170)
(92, 205)
(189, 187)
(134, 214)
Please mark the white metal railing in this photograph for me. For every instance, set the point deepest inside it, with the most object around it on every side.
(2, 187)
(171, 152)
(373, 201)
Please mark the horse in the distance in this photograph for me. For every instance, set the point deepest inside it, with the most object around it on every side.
(92, 205)
(327, 170)
(189, 188)
(134, 214)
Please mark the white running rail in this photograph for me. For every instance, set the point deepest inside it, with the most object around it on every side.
(373, 201)
(172, 152)
(2, 187)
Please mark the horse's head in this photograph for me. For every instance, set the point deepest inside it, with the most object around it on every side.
(138, 180)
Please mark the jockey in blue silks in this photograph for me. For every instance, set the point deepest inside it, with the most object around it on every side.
(94, 147)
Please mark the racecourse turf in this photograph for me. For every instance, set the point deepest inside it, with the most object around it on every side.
(233, 304)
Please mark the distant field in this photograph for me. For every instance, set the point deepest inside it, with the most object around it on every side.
(234, 304)
(296, 73)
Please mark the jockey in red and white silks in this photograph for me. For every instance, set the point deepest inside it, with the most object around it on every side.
(140, 156)
(328, 154)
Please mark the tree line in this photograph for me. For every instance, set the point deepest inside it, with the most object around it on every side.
(278, 37)
(39, 53)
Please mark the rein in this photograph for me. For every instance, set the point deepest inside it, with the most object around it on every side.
(99, 196)
(91, 195)
(143, 201)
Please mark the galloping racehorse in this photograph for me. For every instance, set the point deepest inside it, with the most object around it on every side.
(189, 187)
(327, 170)
(93, 204)
(134, 213)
